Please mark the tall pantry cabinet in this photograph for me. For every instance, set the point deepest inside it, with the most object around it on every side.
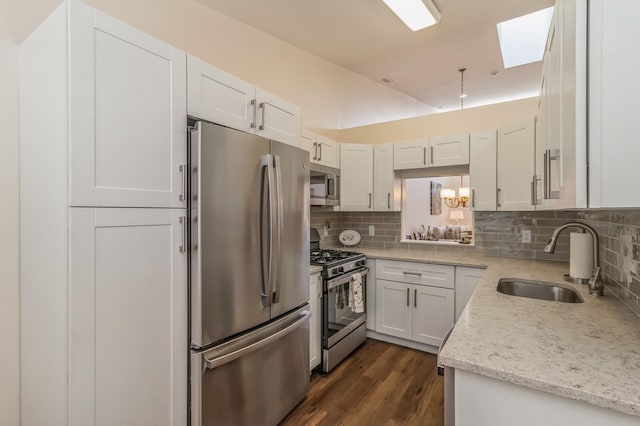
(102, 224)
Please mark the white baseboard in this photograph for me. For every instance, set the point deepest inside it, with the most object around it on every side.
(402, 342)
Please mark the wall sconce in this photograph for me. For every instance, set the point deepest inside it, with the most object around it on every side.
(453, 202)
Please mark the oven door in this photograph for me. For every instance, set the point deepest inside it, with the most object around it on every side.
(338, 319)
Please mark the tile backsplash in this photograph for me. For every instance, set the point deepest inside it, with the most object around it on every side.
(499, 234)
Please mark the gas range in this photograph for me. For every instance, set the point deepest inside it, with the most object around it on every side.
(337, 262)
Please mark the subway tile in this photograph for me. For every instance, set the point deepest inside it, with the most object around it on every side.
(483, 251)
(521, 254)
(397, 246)
(556, 257)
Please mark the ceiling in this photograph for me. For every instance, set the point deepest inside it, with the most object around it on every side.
(366, 37)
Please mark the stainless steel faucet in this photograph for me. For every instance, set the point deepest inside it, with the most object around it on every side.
(596, 286)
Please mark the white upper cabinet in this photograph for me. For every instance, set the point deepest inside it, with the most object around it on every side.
(126, 109)
(516, 167)
(411, 154)
(434, 152)
(277, 119)
(326, 152)
(308, 142)
(220, 97)
(356, 177)
(217, 96)
(561, 148)
(483, 170)
(449, 150)
(613, 103)
(386, 187)
(322, 150)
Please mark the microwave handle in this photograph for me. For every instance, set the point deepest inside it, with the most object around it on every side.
(331, 186)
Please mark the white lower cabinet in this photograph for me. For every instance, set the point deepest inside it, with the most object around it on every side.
(467, 280)
(315, 333)
(433, 313)
(476, 399)
(127, 317)
(393, 309)
(415, 302)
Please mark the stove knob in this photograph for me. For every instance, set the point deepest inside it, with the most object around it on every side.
(341, 269)
(335, 271)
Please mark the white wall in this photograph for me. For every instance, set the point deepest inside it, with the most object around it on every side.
(9, 262)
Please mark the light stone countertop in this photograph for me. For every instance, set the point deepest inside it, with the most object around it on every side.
(584, 351)
(314, 268)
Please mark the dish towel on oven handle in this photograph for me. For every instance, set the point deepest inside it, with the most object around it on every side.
(356, 303)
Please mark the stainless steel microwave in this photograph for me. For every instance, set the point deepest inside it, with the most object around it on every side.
(325, 185)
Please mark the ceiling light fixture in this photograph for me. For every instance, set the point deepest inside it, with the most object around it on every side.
(416, 14)
(462, 94)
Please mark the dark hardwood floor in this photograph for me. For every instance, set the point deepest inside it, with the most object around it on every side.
(378, 384)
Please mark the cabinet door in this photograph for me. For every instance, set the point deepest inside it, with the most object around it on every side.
(315, 303)
(127, 317)
(308, 143)
(356, 177)
(127, 106)
(393, 309)
(433, 313)
(410, 154)
(277, 119)
(328, 152)
(467, 280)
(483, 170)
(449, 150)
(217, 96)
(516, 167)
(386, 188)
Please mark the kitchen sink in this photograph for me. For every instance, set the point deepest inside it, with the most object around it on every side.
(538, 290)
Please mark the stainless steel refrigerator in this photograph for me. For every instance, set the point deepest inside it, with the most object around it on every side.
(249, 239)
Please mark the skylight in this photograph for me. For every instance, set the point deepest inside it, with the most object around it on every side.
(523, 39)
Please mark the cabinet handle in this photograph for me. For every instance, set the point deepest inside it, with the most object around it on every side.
(546, 181)
(431, 155)
(408, 297)
(415, 297)
(315, 150)
(320, 155)
(369, 200)
(534, 199)
(183, 172)
(183, 247)
(473, 198)
(389, 200)
(550, 155)
(253, 123)
(498, 190)
(424, 155)
(261, 106)
(417, 274)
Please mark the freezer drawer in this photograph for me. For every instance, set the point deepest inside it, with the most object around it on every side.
(256, 379)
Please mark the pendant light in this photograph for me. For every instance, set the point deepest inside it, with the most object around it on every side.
(462, 94)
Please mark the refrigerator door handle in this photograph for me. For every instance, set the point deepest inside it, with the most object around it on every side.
(227, 357)
(278, 234)
(266, 229)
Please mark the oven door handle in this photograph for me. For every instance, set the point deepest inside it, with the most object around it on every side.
(343, 280)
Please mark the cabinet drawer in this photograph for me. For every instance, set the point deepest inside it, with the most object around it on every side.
(416, 273)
